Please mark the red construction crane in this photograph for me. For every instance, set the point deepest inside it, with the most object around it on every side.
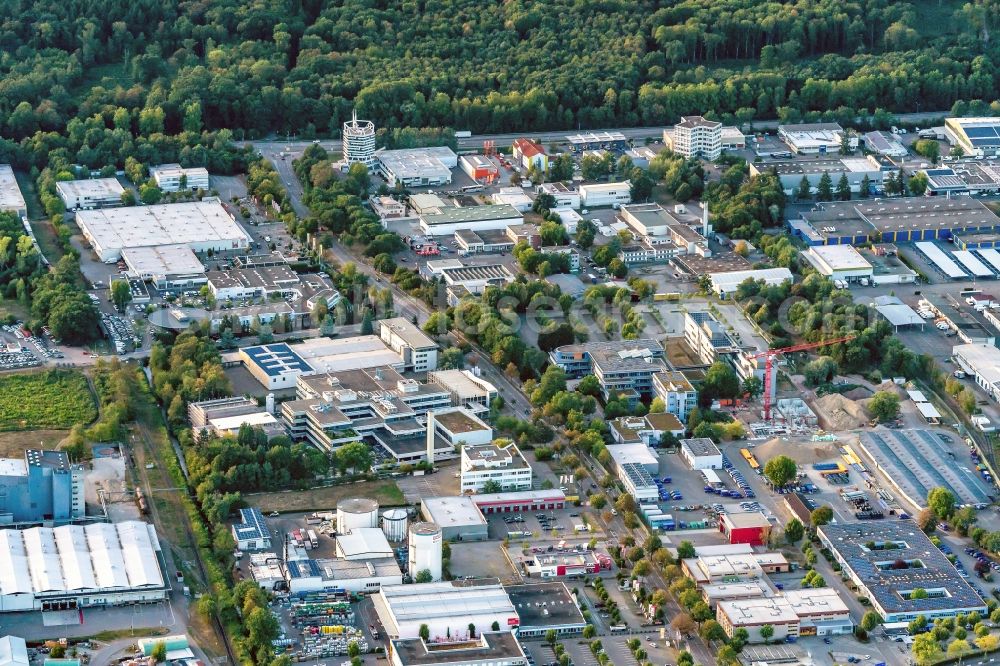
(771, 354)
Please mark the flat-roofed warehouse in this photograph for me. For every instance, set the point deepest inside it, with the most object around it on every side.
(919, 218)
(475, 218)
(200, 225)
(889, 560)
(75, 566)
(839, 262)
(447, 608)
(978, 137)
(894, 220)
(10, 194)
(173, 266)
(415, 167)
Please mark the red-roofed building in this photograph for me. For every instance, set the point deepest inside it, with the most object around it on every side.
(527, 152)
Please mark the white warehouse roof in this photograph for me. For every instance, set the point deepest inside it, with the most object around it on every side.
(195, 224)
(79, 559)
(727, 282)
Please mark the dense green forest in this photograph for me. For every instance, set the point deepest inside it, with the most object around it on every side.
(175, 66)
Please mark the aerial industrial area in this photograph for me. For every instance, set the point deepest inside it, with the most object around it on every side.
(554, 421)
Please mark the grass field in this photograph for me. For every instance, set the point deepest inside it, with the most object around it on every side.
(14, 442)
(55, 399)
(386, 492)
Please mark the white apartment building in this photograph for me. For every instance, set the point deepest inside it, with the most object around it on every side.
(677, 393)
(174, 177)
(694, 136)
(504, 464)
(418, 351)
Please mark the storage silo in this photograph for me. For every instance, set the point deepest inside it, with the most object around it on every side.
(425, 550)
(356, 512)
(394, 524)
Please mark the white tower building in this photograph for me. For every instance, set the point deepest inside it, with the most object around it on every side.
(359, 142)
(425, 549)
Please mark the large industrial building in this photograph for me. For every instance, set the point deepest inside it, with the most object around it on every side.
(338, 574)
(446, 221)
(893, 220)
(279, 365)
(201, 225)
(417, 167)
(44, 487)
(977, 137)
(174, 177)
(889, 560)
(93, 193)
(724, 284)
(981, 361)
(447, 608)
(173, 267)
(544, 607)
(812, 138)
(77, 566)
(11, 198)
(856, 169)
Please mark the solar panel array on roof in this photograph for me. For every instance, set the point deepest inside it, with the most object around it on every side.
(277, 359)
(252, 525)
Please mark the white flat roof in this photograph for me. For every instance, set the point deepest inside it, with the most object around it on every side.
(341, 354)
(173, 259)
(93, 188)
(79, 559)
(431, 601)
(633, 453)
(453, 511)
(234, 422)
(731, 280)
(180, 223)
(927, 410)
(605, 187)
(840, 257)
(10, 194)
(463, 383)
(364, 541)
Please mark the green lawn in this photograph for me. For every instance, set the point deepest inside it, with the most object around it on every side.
(51, 399)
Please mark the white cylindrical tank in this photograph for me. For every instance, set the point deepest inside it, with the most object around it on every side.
(356, 512)
(425, 549)
(269, 403)
(394, 524)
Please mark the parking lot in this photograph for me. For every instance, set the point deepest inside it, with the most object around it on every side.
(546, 525)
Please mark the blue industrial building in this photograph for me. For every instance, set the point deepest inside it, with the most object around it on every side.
(894, 221)
(43, 488)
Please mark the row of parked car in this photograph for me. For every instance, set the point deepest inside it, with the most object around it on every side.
(664, 492)
(14, 360)
(120, 331)
(738, 477)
